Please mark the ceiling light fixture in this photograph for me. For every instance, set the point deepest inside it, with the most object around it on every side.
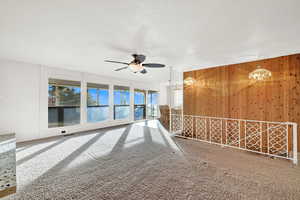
(260, 74)
(189, 81)
(135, 67)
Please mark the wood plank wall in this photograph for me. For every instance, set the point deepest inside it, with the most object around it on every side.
(227, 91)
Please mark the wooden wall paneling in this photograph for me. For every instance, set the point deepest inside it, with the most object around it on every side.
(186, 96)
(199, 95)
(275, 89)
(294, 91)
(194, 96)
(226, 91)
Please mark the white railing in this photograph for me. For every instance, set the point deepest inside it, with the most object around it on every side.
(277, 139)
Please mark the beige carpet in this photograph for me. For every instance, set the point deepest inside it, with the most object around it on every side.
(140, 161)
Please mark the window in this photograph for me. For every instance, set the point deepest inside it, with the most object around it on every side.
(97, 102)
(139, 104)
(152, 104)
(63, 103)
(121, 102)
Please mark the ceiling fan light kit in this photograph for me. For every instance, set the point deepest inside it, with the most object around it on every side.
(136, 65)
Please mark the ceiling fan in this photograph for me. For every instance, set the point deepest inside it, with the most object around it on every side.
(136, 65)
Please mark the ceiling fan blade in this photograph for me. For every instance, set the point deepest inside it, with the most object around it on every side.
(153, 65)
(139, 57)
(119, 69)
(111, 61)
(144, 71)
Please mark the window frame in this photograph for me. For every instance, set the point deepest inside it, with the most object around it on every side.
(118, 88)
(53, 82)
(80, 118)
(98, 87)
(135, 106)
(149, 104)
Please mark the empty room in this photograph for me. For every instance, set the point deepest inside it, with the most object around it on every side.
(149, 100)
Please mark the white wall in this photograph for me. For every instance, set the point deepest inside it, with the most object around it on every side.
(164, 96)
(24, 99)
(171, 92)
(19, 99)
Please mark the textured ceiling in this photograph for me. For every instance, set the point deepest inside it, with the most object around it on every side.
(79, 35)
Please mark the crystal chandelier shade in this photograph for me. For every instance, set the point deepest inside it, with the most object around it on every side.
(260, 74)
